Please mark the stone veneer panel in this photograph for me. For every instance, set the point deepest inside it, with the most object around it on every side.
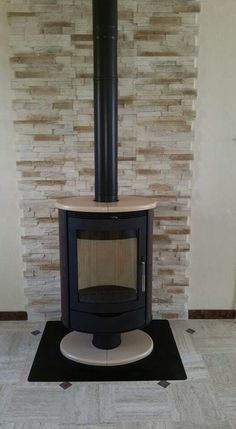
(52, 68)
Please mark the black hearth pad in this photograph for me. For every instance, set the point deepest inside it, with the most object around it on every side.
(164, 363)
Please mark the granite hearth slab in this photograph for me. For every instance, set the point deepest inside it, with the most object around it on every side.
(164, 363)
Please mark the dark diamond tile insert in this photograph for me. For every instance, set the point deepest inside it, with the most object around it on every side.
(190, 331)
(163, 383)
(36, 332)
(65, 385)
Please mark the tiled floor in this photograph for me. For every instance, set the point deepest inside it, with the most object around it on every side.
(207, 400)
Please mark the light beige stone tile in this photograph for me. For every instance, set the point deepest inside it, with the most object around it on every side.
(221, 368)
(215, 345)
(142, 425)
(226, 397)
(5, 395)
(34, 403)
(133, 403)
(214, 425)
(17, 344)
(81, 404)
(11, 369)
(197, 403)
(19, 326)
(183, 339)
(29, 425)
(195, 366)
(212, 328)
(193, 403)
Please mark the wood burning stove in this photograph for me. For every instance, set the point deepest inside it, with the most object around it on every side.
(107, 284)
(106, 271)
(106, 244)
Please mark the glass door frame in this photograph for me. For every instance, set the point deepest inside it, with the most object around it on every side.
(107, 222)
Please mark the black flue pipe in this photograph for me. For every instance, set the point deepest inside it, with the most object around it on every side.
(105, 99)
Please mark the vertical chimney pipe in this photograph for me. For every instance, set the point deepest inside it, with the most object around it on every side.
(105, 99)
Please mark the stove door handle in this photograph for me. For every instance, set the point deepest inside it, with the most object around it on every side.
(143, 274)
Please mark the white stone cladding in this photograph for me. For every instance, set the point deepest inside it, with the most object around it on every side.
(52, 67)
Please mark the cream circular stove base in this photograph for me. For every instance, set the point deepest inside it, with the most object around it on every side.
(135, 345)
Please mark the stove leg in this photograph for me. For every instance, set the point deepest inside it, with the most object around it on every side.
(106, 341)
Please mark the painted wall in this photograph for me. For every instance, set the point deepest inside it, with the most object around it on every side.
(11, 278)
(213, 223)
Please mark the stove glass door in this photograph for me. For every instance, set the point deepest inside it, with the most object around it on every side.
(107, 266)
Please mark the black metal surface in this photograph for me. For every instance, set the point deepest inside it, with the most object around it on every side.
(107, 235)
(113, 216)
(107, 294)
(97, 323)
(164, 363)
(105, 317)
(149, 261)
(77, 225)
(64, 268)
(106, 341)
(105, 99)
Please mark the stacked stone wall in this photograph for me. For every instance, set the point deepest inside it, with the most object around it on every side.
(52, 87)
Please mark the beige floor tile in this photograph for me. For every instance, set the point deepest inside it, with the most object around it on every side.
(11, 369)
(194, 402)
(207, 400)
(213, 425)
(205, 328)
(29, 425)
(195, 366)
(33, 403)
(215, 345)
(221, 368)
(124, 403)
(226, 397)
(81, 404)
(183, 339)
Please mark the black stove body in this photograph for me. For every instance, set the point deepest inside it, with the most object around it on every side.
(106, 272)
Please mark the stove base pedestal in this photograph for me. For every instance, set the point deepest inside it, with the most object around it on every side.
(78, 346)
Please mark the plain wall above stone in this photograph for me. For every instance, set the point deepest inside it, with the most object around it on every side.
(213, 221)
(11, 267)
